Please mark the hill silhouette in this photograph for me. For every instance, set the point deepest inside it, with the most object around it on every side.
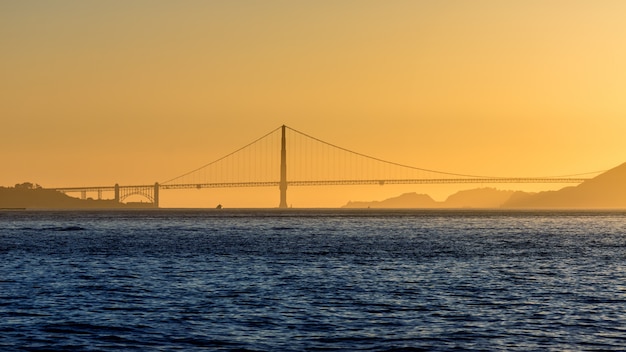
(605, 191)
(474, 198)
(478, 198)
(406, 200)
(29, 196)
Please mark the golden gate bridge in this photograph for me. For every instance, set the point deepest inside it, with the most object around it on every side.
(266, 162)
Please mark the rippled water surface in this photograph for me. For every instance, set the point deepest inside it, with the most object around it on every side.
(312, 280)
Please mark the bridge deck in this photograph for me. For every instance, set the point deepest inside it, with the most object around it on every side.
(331, 183)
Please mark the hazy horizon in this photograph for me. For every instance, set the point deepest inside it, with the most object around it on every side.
(98, 93)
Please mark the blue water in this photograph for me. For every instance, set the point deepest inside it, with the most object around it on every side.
(312, 280)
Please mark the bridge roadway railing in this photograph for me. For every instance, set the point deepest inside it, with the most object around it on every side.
(333, 183)
(376, 182)
(435, 181)
(84, 189)
(220, 185)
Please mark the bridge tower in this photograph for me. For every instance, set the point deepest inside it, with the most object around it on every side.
(283, 170)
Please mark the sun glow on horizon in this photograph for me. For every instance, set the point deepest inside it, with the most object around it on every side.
(133, 93)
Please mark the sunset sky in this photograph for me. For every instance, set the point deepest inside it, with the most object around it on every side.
(136, 92)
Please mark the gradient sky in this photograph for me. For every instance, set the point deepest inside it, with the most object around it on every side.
(134, 92)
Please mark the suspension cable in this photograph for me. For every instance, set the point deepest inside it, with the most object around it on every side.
(311, 164)
(386, 161)
(222, 158)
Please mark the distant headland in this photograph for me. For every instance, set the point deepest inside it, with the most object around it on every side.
(605, 191)
(32, 196)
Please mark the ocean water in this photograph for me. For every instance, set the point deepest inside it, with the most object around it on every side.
(309, 280)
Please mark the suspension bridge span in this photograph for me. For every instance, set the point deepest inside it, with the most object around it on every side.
(266, 162)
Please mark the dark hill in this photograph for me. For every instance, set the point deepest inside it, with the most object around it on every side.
(407, 200)
(473, 198)
(38, 198)
(605, 191)
(478, 198)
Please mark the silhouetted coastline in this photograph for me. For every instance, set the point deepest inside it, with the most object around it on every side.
(28, 196)
(605, 191)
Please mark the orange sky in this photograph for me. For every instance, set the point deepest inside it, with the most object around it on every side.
(134, 92)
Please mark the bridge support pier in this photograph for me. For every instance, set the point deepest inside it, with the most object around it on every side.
(117, 193)
(283, 171)
(155, 195)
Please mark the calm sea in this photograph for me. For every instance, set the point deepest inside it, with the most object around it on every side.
(312, 280)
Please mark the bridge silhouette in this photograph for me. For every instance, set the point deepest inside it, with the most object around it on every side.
(266, 162)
